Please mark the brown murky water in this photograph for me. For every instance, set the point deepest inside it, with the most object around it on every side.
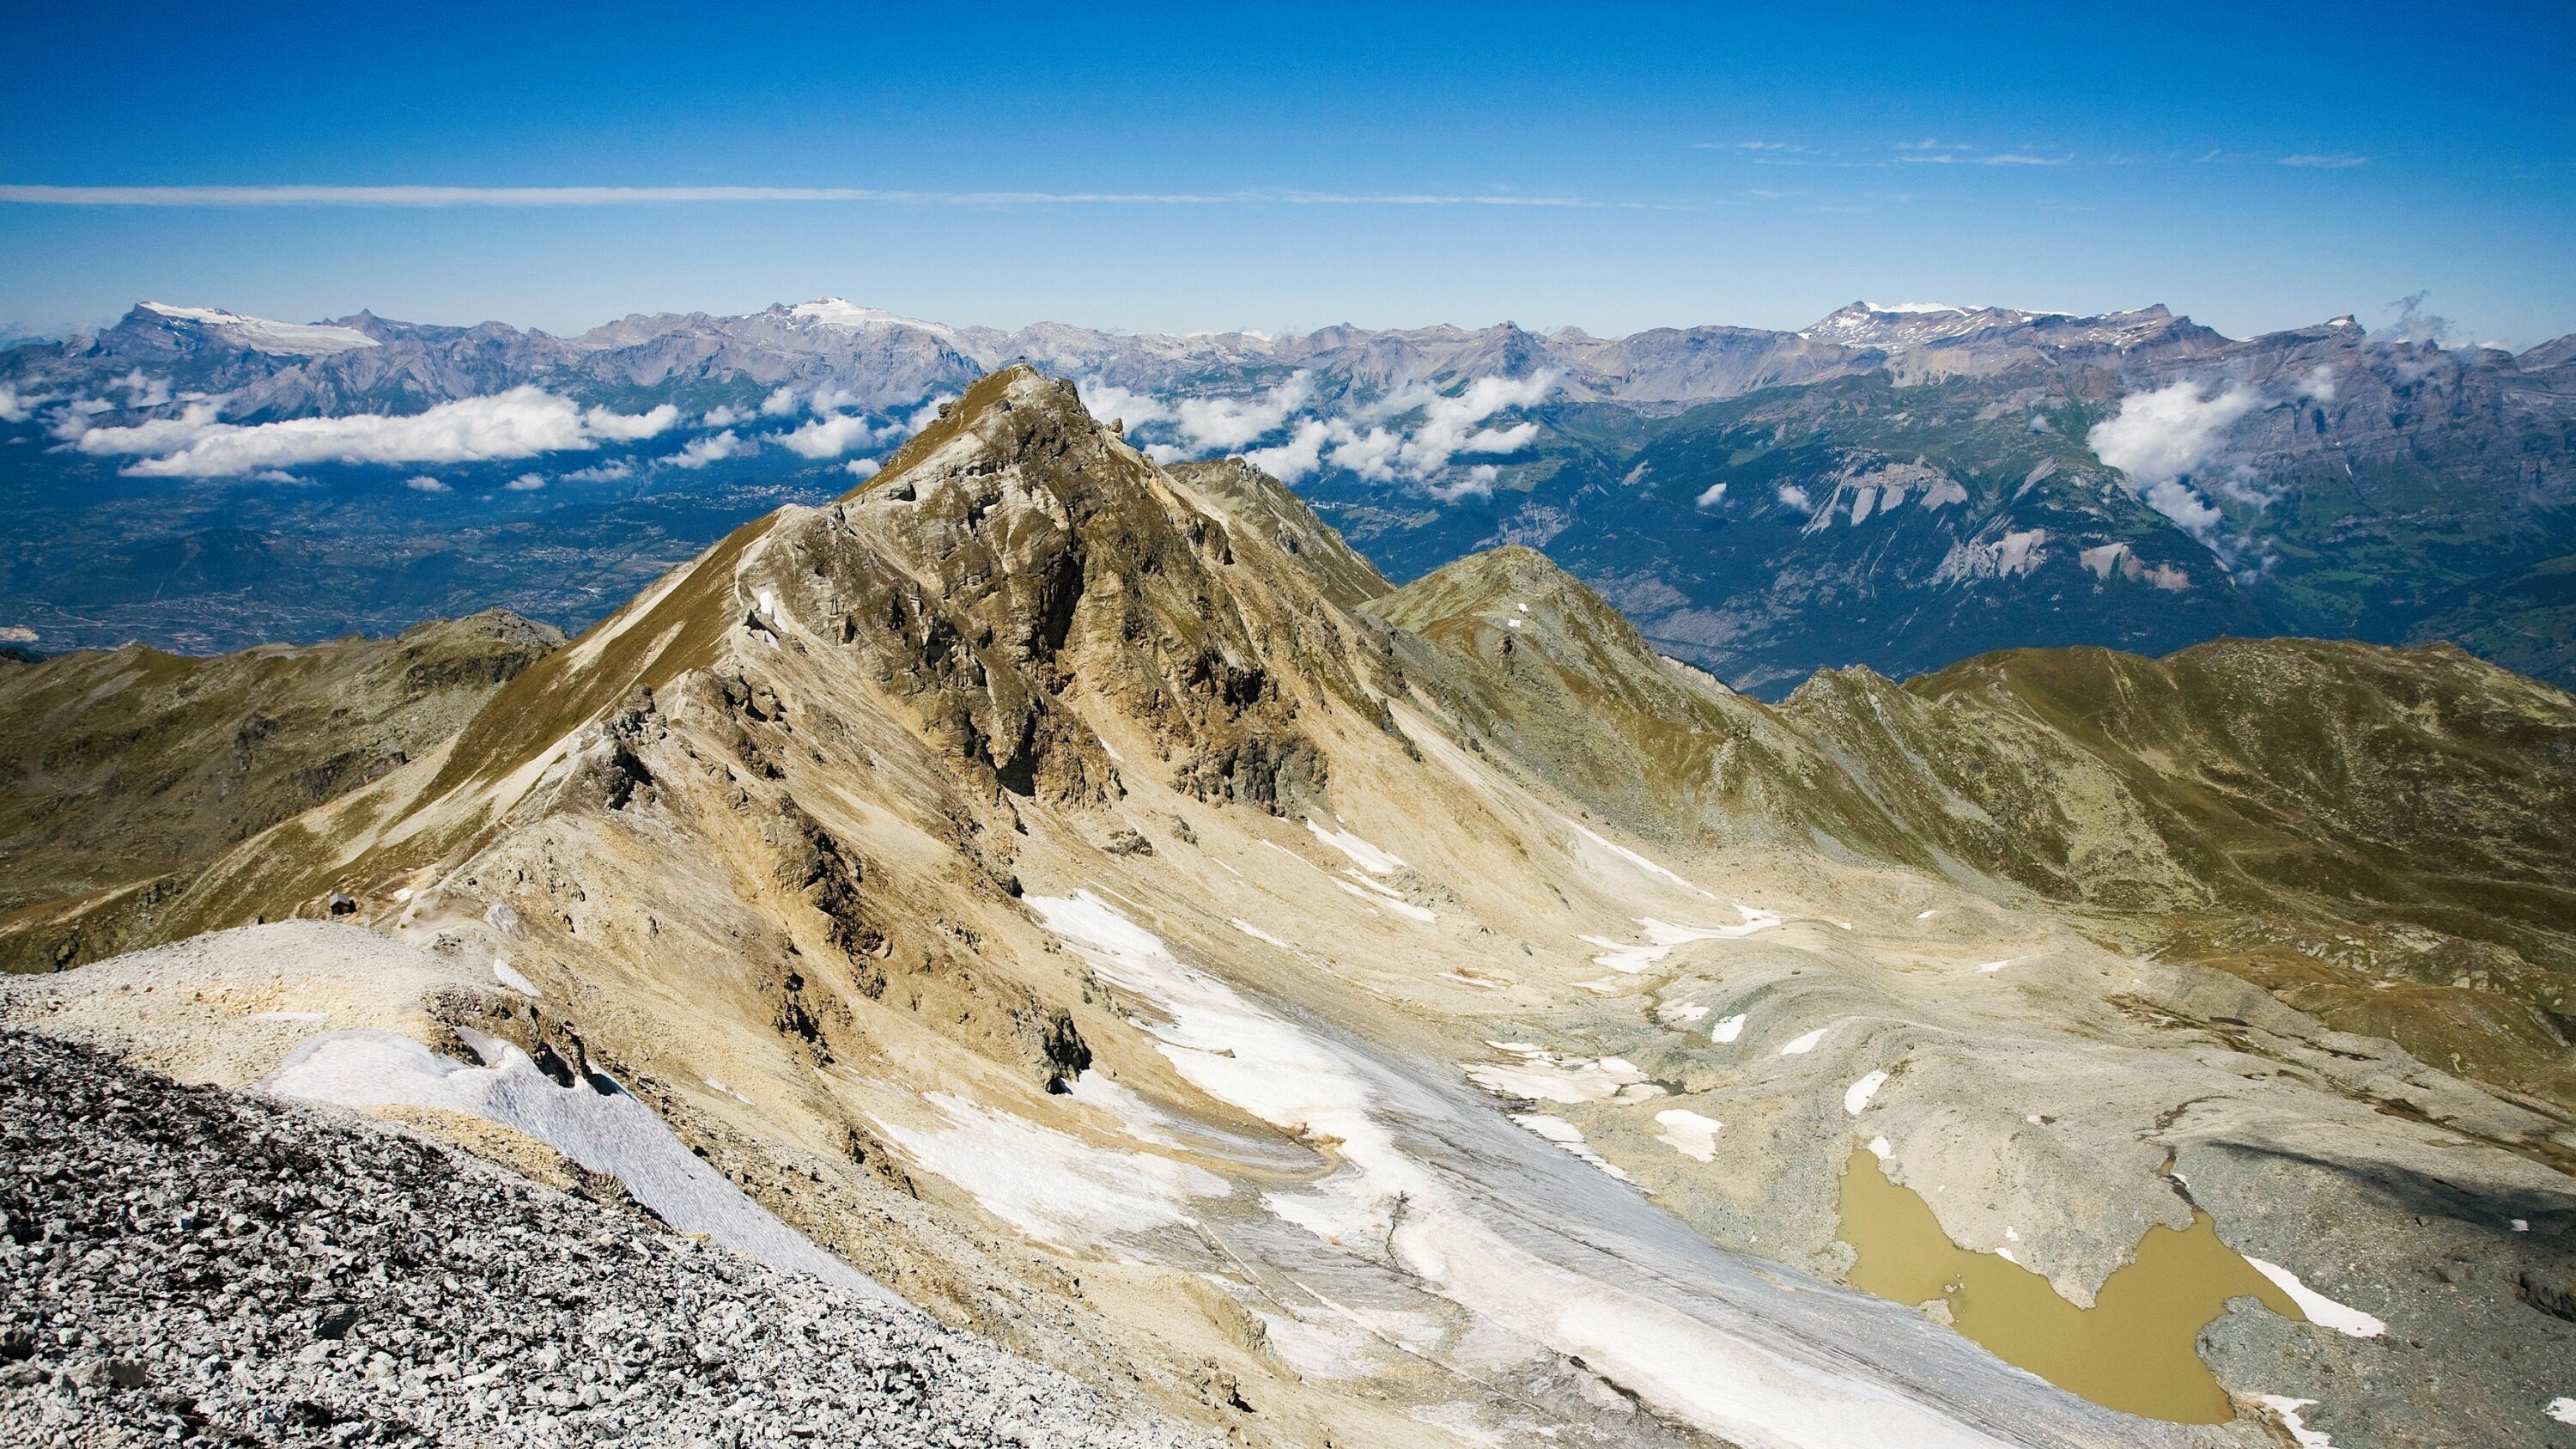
(2133, 1350)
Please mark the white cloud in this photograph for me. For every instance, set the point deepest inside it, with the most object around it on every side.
(277, 475)
(862, 467)
(1710, 496)
(1796, 497)
(2319, 384)
(2325, 163)
(15, 408)
(924, 415)
(153, 435)
(1297, 458)
(608, 472)
(715, 447)
(1224, 424)
(2170, 432)
(2160, 438)
(519, 423)
(144, 392)
(1361, 440)
(1500, 440)
(525, 483)
(1371, 454)
(1443, 434)
(781, 402)
(2175, 500)
(829, 437)
(622, 427)
(426, 484)
(1109, 402)
(1478, 483)
(723, 417)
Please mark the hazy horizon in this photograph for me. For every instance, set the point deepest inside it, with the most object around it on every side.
(1185, 172)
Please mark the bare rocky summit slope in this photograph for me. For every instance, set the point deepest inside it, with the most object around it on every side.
(191, 1265)
(1075, 895)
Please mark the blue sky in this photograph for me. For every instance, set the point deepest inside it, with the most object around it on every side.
(2255, 166)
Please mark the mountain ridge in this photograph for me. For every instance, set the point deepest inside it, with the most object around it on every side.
(1021, 876)
(1938, 483)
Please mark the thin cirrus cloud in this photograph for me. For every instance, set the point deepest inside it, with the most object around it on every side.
(2315, 161)
(523, 196)
(2000, 158)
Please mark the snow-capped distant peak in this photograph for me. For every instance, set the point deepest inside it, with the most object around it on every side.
(259, 334)
(1905, 307)
(834, 312)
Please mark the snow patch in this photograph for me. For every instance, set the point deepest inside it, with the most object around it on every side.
(1387, 897)
(1054, 1187)
(1689, 1133)
(1566, 1135)
(1662, 937)
(1639, 861)
(599, 1126)
(1364, 855)
(1258, 934)
(1539, 1076)
(1858, 1094)
(1728, 1029)
(2288, 1409)
(508, 975)
(1805, 1044)
(834, 312)
(2321, 1310)
(1136, 1114)
(259, 334)
(1725, 1382)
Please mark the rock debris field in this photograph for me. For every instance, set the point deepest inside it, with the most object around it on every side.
(189, 1265)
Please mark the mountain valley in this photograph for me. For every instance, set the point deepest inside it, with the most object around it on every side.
(1071, 888)
(1895, 487)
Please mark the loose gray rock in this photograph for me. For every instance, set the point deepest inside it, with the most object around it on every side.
(193, 1266)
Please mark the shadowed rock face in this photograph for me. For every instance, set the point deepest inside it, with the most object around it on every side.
(1036, 836)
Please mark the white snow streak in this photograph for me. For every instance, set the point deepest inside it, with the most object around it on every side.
(2348, 1321)
(1366, 856)
(1054, 1187)
(1243, 1055)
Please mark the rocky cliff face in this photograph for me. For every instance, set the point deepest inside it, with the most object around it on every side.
(1075, 893)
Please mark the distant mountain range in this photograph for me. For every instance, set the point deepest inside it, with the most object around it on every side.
(1900, 486)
